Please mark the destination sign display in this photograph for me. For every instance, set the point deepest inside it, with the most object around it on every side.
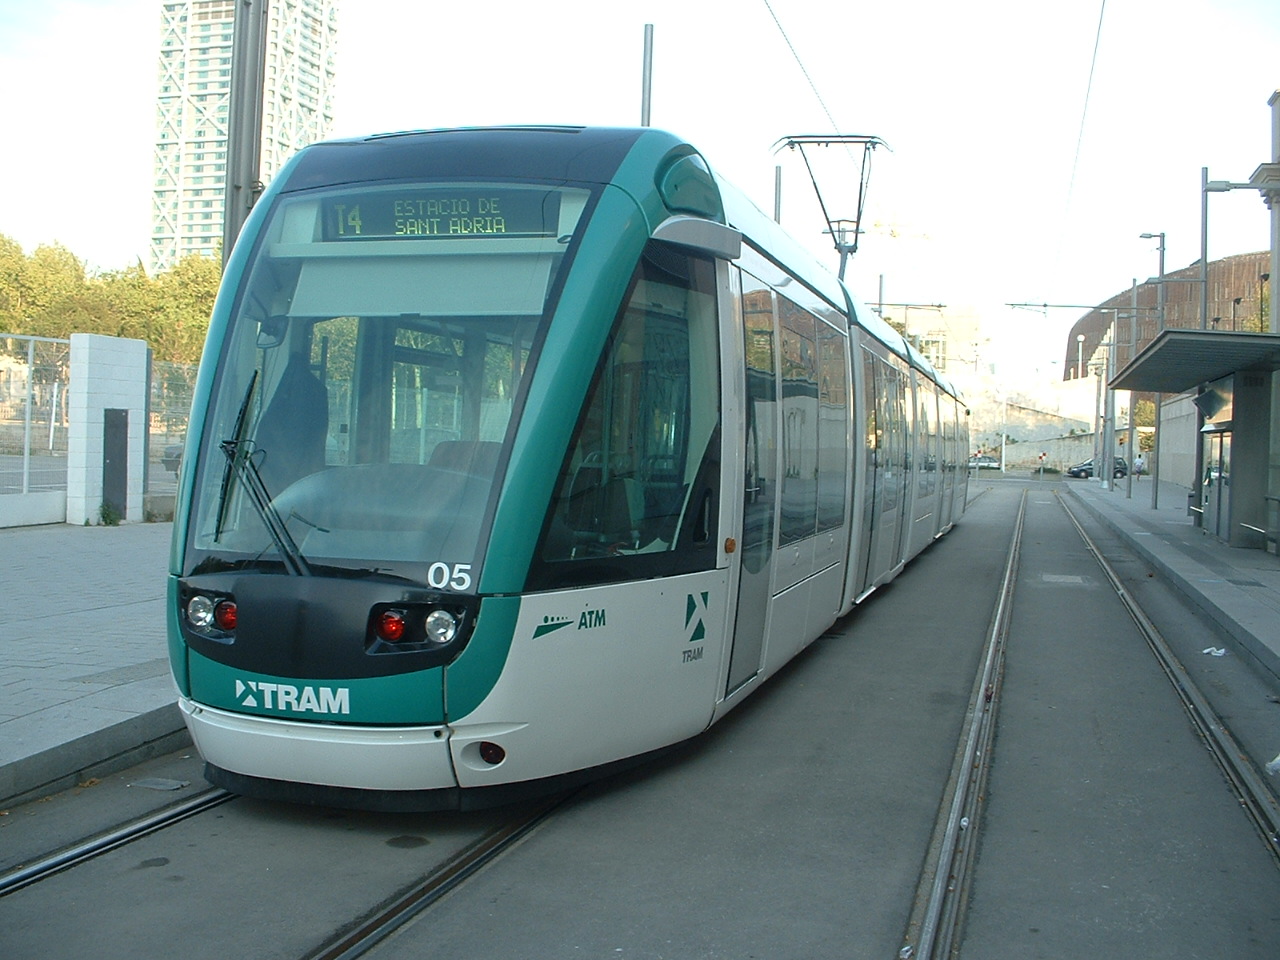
(430, 214)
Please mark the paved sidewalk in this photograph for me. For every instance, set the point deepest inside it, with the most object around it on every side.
(84, 677)
(84, 670)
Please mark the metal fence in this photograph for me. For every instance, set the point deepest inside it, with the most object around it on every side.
(172, 386)
(34, 372)
(33, 413)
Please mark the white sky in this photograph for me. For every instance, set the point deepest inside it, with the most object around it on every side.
(980, 102)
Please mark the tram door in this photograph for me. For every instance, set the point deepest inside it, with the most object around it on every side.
(1215, 485)
(887, 473)
(760, 486)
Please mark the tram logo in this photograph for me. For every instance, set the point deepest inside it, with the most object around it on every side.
(285, 696)
(587, 620)
(551, 624)
(695, 610)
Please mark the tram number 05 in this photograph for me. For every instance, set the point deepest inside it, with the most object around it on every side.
(457, 577)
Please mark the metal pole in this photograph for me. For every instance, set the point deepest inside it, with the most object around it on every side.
(1198, 518)
(1108, 465)
(1273, 201)
(1155, 436)
(646, 81)
(1132, 441)
(26, 418)
(1097, 419)
(777, 194)
(244, 119)
(1204, 247)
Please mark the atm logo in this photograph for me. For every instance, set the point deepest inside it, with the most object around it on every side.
(587, 620)
(256, 694)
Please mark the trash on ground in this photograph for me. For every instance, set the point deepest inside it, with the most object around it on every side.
(160, 783)
(1215, 651)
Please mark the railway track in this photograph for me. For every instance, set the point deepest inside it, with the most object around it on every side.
(938, 909)
(371, 930)
(363, 933)
(68, 857)
(937, 915)
(1253, 793)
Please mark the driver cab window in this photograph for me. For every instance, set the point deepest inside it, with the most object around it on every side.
(638, 492)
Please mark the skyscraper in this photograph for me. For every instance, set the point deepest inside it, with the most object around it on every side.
(193, 104)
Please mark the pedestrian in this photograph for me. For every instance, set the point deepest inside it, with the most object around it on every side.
(1139, 465)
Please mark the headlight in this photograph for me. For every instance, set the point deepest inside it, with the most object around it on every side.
(441, 627)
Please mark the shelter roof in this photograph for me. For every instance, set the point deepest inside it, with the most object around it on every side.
(1178, 360)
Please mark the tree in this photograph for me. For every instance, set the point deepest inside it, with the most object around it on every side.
(12, 266)
(184, 297)
(50, 294)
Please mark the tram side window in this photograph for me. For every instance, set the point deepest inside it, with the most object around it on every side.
(799, 422)
(638, 492)
(833, 431)
(926, 461)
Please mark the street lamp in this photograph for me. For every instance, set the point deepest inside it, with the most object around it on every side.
(1160, 283)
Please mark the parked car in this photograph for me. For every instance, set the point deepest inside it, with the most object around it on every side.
(1085, 469)
(980, 461)
(172, 458)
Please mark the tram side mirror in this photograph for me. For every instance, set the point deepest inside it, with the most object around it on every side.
(271, 332)
(701, 236)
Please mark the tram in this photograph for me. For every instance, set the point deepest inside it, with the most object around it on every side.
(520, 453)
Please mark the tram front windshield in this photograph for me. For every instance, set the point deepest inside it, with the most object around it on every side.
(367, 382)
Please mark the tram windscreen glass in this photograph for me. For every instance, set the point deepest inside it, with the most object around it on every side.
(363, 400)
(425, 214)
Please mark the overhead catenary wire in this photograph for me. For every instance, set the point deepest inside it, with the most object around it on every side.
(1084, 116)
(864, 171)
(800, 63)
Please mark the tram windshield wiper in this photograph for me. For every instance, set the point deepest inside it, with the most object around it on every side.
(240, 466)
(228, 472)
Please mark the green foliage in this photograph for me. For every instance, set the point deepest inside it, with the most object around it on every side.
(1144, 414)
(51, 294)
(109, 515)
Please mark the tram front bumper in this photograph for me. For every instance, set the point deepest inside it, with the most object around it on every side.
(363, 758)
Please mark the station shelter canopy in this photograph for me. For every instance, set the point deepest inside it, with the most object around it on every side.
(1178, 360)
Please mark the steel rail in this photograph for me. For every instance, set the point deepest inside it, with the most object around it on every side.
(372, 929)
(1253, 793)
(937, 911)
(119, 836)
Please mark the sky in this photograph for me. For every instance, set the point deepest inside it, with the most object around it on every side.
(1028, 142)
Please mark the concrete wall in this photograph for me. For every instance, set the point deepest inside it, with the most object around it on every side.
(1178, 440)
(33, 509)
(106, 373)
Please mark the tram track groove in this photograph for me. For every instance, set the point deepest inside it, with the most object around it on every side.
(372, 929)
(112, 839)
(938, 908)
(1252, 792)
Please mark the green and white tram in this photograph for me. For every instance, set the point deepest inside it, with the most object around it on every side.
(518, 453)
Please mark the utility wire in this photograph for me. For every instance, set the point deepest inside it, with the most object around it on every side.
(1084, 114)
(800, 64)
